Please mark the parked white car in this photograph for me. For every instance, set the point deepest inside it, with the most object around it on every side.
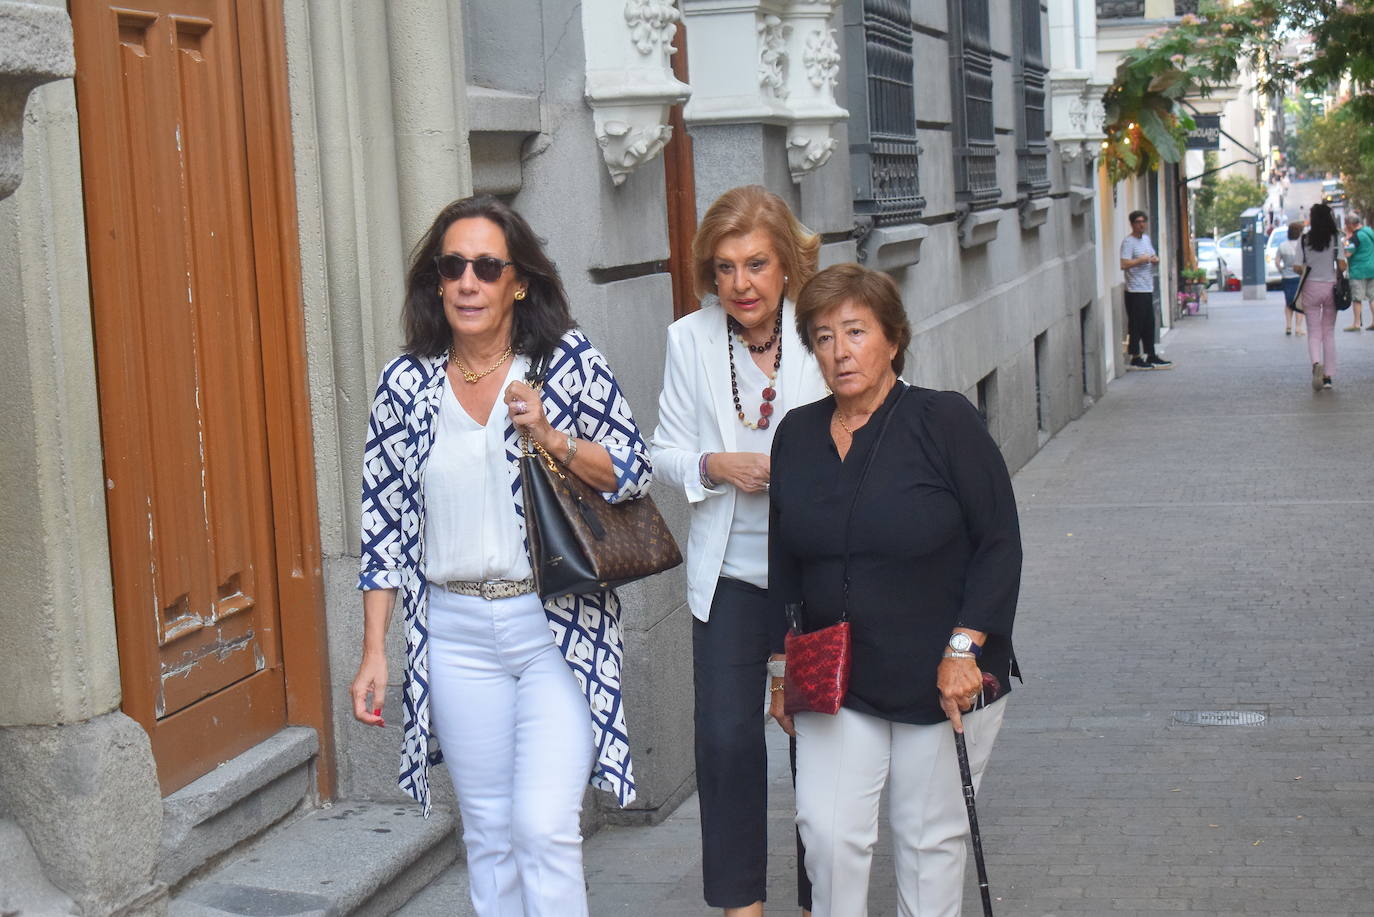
(1228, 247)
(1209, 259)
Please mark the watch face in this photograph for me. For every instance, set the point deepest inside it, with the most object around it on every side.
(960, 643)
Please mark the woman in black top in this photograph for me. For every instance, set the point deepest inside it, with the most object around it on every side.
(935, 567)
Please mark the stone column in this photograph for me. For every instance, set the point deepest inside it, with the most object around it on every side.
(77, 777)
(738, 114)
(379, 132)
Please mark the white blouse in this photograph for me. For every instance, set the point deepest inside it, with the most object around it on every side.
(471, 530)
(746, 551)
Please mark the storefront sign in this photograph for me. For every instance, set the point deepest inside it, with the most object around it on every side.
(1206, 135)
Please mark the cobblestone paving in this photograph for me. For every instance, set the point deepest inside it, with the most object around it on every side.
(1201, 540)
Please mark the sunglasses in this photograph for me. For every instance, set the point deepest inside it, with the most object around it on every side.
(487, 268)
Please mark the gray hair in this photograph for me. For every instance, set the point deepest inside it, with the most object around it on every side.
(1352, 219)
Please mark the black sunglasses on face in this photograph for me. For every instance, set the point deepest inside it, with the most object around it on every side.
(487, 268)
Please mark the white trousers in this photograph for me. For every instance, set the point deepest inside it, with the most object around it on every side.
(843, 762)
(517, 736)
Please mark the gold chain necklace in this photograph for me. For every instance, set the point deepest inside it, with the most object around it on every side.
(471, 377)
(845, 426)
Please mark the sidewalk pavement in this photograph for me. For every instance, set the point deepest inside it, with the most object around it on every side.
(1200, 542)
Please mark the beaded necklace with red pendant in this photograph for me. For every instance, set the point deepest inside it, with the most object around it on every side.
(769, 392)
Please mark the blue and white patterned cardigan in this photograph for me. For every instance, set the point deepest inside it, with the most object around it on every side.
(579, 394)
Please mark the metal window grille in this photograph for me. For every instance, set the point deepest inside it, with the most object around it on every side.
(1032, 151)
(882, 111)
(1183, 7)
(975, 151)
(1120, 9)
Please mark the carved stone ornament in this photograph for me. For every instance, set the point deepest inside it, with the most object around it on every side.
(810, 97)
(773, 56)
(630, 82)
(626, 147)
(822, 59)
(653, 23)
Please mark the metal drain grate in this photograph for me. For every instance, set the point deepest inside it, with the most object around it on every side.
(1218, 717)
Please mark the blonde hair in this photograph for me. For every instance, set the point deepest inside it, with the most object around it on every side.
(739, 212)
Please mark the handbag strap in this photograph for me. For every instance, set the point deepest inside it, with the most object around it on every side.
(863, 475)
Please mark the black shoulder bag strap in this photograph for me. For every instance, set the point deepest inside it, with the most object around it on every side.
(863, 475)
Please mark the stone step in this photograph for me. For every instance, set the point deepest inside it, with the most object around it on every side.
(236, 802)
(359, 858)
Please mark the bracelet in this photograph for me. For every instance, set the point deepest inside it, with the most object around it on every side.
(572, 450)
(775, 689)
(701, 471)
(954, 654)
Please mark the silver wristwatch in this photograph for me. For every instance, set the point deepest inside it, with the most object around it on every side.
(777, 668)
(963, 643)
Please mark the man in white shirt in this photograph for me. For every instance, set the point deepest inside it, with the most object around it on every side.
(1138, 260)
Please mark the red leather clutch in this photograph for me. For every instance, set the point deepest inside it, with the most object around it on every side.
(817, 670)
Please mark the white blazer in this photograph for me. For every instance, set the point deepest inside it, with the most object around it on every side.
(696, 414)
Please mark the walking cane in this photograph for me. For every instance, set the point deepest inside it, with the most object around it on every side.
(967, 774)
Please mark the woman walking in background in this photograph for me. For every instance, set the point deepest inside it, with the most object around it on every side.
(1287, 259)
(1322, 250)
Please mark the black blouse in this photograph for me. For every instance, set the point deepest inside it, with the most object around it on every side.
(934, 543)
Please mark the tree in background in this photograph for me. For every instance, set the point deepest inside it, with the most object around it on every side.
(1343, 142)
(1231, 196)
(1144, 125)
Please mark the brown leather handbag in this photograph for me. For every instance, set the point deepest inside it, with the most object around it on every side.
(818, 662)
(578, 542)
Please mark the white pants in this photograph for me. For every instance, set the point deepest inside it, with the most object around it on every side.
(517, 736)
(843, 762)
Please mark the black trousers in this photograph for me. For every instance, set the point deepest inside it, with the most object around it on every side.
(729, 667)
(1140, 323)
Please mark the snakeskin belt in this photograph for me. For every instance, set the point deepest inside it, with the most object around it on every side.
(490, 589)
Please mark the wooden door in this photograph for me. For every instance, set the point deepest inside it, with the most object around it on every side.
(169, 100)
(682, 193)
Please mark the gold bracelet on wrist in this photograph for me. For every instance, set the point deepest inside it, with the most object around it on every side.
(776, 688)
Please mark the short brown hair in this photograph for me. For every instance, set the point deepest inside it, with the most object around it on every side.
(842, 283)
(739, 212)
(1295, 229)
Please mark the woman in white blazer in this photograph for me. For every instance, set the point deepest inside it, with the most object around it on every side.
(734, 368)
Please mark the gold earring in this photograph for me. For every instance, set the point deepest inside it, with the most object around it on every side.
(440, 291)
(519, 295)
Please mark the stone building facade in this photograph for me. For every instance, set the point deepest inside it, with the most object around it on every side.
(950, 144)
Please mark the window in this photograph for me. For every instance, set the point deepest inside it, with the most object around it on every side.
(1032, 152)
(1042, 394)
(975, 150)
(882, 112)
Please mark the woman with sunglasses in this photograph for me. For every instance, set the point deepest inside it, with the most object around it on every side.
(520, 697)
(734, 368)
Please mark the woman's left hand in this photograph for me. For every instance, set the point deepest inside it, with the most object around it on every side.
(959, 682)
(527, 413)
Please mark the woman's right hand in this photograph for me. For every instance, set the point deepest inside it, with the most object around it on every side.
(748, 471)
(369, 689)
(777, 705)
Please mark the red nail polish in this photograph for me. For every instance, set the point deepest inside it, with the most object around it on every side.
(377, 712)
(381, 722)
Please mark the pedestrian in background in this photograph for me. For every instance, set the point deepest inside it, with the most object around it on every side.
(1287, 260)
(893, 504)
(1360, 249)
(734, 368)
(1322, 251)
(523, 695)
(1138, 260)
